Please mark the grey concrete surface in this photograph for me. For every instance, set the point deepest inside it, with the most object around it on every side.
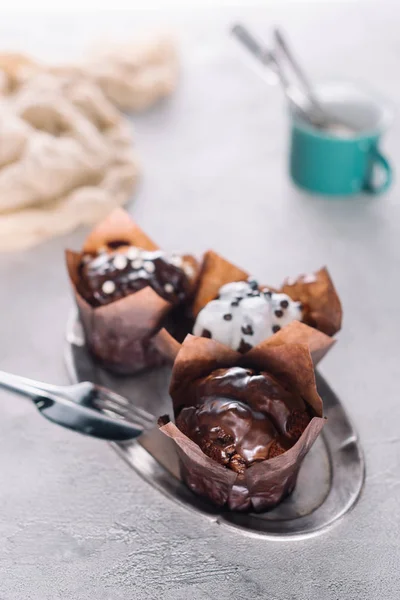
(75, 522)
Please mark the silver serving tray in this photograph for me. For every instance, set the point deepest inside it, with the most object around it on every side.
(330, 479)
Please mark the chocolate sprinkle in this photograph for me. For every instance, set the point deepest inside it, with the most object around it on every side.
(206, 333)
(228, 317)
(248, 330)
(253, 284)
(244, 347)
(284, 303)
(279, 313)
(111, 276)
(276, 328)
(268, 293)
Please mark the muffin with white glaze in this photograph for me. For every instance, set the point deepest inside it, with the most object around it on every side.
(235, 310)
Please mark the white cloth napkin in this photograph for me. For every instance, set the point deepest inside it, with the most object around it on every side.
(66, 154)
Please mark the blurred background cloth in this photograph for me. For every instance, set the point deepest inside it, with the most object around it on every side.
(66, 153)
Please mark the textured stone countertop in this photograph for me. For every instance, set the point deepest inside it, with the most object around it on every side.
(75, 522)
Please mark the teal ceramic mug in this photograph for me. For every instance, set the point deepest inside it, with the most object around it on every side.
(342, 161)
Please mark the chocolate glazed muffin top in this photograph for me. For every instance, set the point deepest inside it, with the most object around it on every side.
(117, 272)
(240, 416)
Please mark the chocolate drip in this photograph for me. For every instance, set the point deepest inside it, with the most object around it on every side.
(240, 417)
(114, 275)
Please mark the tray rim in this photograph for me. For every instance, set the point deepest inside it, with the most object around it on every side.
(74, 337)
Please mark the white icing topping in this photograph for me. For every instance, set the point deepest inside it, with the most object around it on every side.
(176, 260)
(311, 278)
(137, 264)
(108, 287)
(133, 253)
(255, 315)
(230, 290)
(188, 269)
(120, 262)
(149, 267)
(169, 288)
(289, 281)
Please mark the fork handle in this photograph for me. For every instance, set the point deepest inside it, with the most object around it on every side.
(25, 386)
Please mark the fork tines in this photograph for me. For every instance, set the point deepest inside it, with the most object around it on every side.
(116, 405)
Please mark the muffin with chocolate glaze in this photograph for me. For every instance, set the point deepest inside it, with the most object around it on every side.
(125, 287)
(244, 422)
(235, 310)
(112, 275)
(241, 416)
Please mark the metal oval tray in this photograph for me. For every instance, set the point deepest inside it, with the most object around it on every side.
(330, 479)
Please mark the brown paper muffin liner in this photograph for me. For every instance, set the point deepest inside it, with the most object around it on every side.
(125, 335)
(264, 484)
(215, 272)
(322, 308)
(321, 302)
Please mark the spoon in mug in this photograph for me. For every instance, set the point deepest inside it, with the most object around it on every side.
(318, 116)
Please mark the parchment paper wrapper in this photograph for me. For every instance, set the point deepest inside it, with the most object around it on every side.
(125, 335)
(215, 272)
(322, 306)
(323, 311)
(266, 483)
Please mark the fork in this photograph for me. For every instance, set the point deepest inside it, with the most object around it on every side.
(85, 407)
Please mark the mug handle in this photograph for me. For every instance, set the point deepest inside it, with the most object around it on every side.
(378, 160)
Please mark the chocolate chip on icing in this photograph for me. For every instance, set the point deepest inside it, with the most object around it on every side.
(276, 328)
(169, 288)
(149, 267)
(268, 293)
(228, 317)
(244, 346)
(206, 333)
(108, 287)
(247, 330)
(279, 313)
(137, 264)
(120, 262)
(284, 303)
(235, 303)
(253, 284)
